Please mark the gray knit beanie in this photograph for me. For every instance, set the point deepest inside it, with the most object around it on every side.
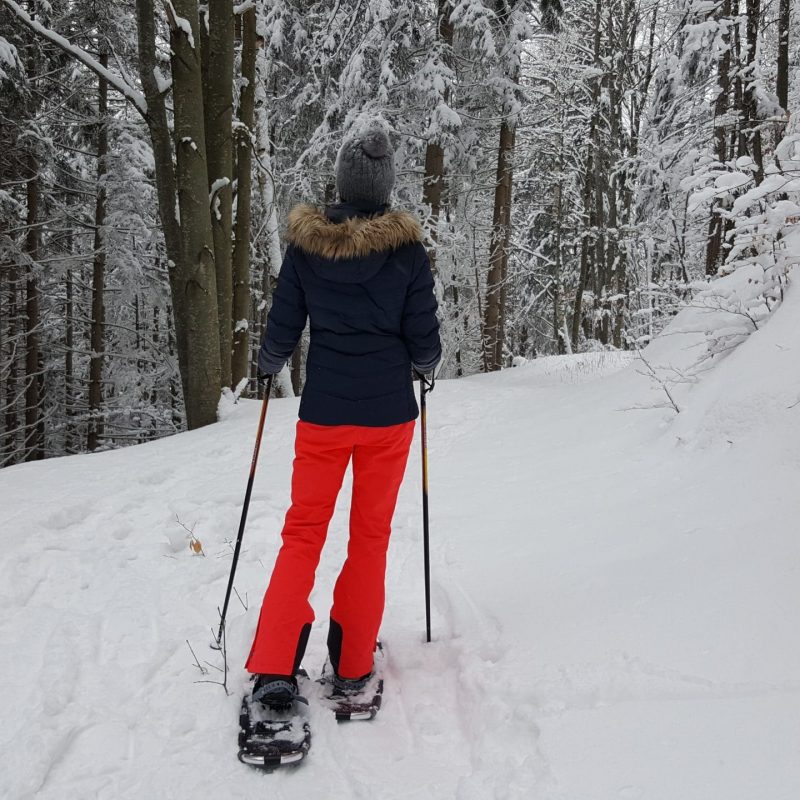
(365, 167)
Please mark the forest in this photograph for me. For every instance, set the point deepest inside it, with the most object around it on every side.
(582, 170)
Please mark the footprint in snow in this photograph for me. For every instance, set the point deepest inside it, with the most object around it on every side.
(122, 531)
(61, 667)
(67, 517)
(155, 478)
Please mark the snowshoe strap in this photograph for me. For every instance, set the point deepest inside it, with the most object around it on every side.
(350, 685)
(277, 691)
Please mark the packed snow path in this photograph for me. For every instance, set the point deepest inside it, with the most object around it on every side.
(615, 597)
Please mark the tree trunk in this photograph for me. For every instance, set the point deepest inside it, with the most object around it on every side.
(218, 96)
(493, 334)
(560, 335)
(11, 417)
(266, 177)
(753, 131)
(166, 187)
(600, 277)
(244, 164)
(739, 134)
(33, 445)
(723, 90)
(432, 191)
(69, 365)
(172, 343)
(590, 189)
(196, 319)
(620, 139)
(98, 272)
(716, 226)
(782, 81)
(433, 183)
(187, 222)
(583, 273)
(498, 251)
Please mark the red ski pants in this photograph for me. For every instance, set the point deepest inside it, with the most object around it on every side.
(322, 453)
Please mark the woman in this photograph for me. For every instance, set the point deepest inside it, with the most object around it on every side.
(360, 273)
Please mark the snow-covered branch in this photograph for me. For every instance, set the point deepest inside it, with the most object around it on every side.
(179, 23)
(116, 81)
(8, 57)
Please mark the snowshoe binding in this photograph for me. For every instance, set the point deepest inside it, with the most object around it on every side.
(273, 723)
(354, 700)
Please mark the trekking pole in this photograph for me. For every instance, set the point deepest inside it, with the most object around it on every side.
(425, 387)
(218, 642)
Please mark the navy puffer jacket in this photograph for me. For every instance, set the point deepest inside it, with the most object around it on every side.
(366, 285)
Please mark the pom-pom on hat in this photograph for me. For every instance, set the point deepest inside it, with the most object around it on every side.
(365, 167)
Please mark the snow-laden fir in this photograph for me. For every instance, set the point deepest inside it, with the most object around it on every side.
(615, 593)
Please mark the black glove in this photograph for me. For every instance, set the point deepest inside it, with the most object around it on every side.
(268, 366)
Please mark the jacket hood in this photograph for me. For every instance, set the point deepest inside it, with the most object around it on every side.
(352, 238)
(359, 246)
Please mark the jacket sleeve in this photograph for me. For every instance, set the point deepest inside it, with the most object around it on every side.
(420, 326)
(285, 321)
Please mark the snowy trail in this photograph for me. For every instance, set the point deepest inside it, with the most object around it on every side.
(614, 599)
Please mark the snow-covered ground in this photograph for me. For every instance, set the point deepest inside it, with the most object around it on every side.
(615, 595)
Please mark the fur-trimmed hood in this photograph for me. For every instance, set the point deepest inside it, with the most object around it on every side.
(354, 238)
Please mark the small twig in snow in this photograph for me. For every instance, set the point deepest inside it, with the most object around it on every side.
(203, 670)
(194, 543)
(660, 381)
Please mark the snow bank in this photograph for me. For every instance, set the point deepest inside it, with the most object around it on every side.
(754, 392)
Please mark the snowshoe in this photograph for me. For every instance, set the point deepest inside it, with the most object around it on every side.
(354, 700)
(273, 724)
